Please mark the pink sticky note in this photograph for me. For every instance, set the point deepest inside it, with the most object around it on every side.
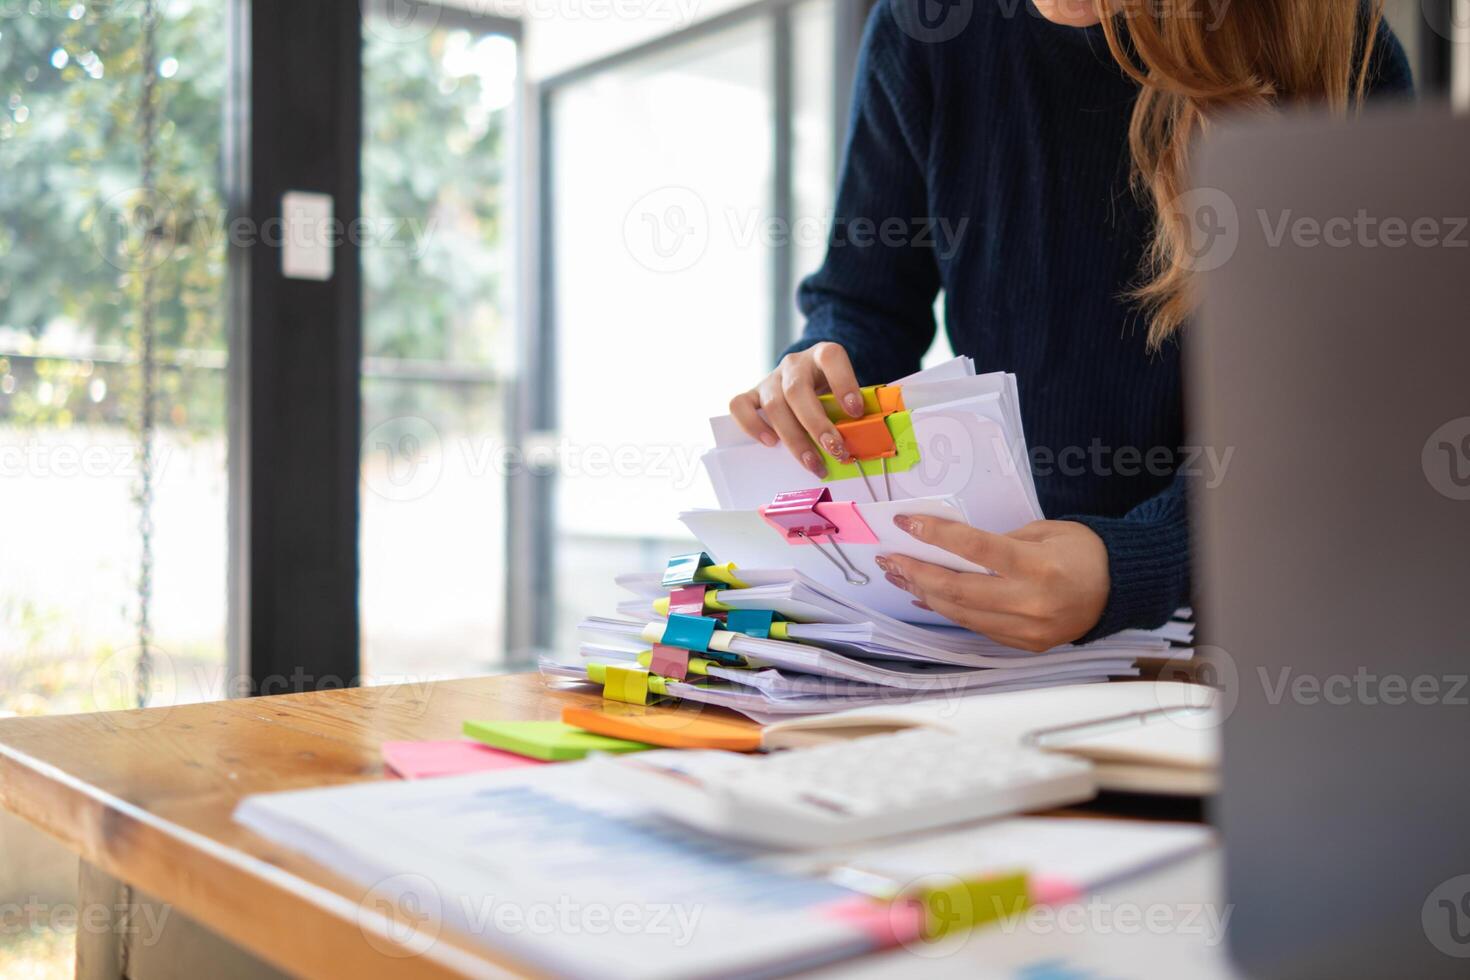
(1047, 890)
(452, 757)
(885, 923)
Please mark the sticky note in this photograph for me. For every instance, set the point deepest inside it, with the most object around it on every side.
(955, 904)
(722, 574)
(450, 757)
(751, 622)
(553, 741)
(689, 632)
(671, 728)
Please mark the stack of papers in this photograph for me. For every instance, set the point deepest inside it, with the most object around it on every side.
(574, 878)
(845, 637)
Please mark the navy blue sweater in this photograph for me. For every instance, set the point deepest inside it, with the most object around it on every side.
(1001, 153)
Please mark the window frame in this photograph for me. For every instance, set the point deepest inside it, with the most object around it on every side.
(296, 347)
(531, 538)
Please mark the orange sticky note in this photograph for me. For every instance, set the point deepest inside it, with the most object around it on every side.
(671, 729)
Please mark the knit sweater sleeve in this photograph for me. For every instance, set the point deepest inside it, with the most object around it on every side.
(875, 292)
(1148, 560)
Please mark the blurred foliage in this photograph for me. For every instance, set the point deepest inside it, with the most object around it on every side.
(434, 192)
(72, 212)
(73, 247)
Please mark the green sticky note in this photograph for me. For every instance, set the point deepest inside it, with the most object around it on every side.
(553, 741)
(901, 426)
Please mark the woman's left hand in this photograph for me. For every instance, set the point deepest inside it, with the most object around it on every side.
(1051, 583)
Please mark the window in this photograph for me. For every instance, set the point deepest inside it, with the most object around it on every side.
(690, 187)
(114, 234)
(438, 99)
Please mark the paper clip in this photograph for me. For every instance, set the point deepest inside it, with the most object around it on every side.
(795, 512)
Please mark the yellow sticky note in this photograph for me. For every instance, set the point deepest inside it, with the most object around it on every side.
(953, 904)
(724, 574)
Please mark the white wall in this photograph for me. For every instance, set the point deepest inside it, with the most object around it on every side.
(562, 34)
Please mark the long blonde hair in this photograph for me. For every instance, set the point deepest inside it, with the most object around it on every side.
(1193, 61)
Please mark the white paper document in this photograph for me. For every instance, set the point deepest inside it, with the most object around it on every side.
(552, 867)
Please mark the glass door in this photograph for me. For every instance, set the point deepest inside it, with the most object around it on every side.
(690, 187)
(439, 98)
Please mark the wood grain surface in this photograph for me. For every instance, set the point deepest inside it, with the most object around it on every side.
(147, 796)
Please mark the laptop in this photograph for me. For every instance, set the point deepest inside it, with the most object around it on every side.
(1332, 361)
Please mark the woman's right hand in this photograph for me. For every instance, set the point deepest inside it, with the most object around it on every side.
(788, 398)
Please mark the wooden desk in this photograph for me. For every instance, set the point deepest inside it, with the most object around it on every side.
(145, 799)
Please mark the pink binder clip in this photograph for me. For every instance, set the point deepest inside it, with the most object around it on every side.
(795, 513)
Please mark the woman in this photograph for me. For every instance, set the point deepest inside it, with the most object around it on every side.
(1052, 137)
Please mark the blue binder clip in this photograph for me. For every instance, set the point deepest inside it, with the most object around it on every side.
(751, 622)
(684, 569)
(689, 633)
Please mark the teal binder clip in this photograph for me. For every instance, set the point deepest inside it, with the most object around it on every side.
(683, 570)
(751, 622)
(689, 633)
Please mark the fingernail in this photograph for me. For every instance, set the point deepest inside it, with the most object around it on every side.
(854, 404)
(834, 446)
(898, 580)
(906, 524)
(922, 605)
(813, 462)
(768, 440)
(885, 564)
